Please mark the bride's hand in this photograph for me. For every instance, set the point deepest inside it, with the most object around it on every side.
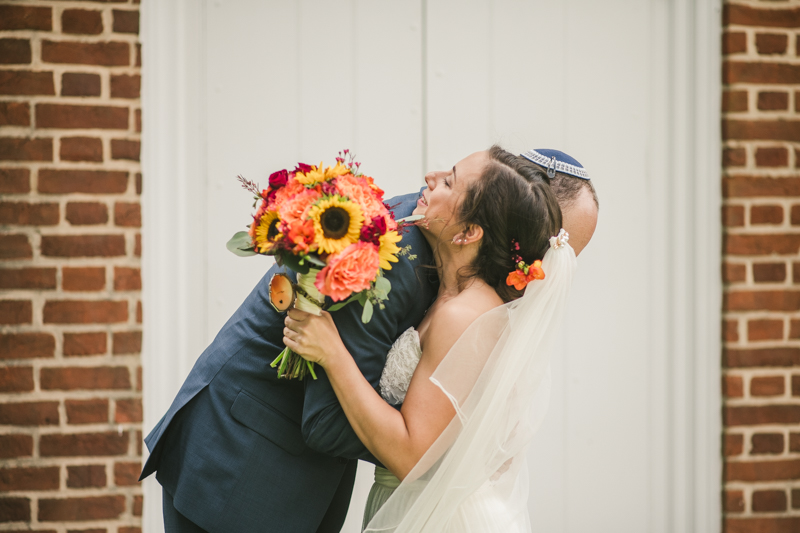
(314, 337)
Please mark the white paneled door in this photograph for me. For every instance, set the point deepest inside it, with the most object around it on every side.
(627, 87)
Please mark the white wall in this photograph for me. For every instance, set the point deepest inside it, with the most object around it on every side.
(629, 88)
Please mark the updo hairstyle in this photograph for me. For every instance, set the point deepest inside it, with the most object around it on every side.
(513, 203)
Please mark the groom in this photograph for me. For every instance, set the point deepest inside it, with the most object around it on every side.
(241, 450)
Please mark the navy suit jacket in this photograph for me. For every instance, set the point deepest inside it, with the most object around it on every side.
(240, 450)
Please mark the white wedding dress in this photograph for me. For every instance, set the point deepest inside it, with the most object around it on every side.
(474, 478)
(485, 504)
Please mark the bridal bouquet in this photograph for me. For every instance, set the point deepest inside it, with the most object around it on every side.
(331, 226)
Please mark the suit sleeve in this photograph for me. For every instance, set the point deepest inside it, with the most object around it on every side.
(325, 426)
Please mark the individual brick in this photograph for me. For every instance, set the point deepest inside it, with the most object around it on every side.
(127, 214)
(85, 343)
(54, 181)
(766, 443)
(28, 278)
(760, 357)
(766, 501)
(109, 54)
(766, 244)
(29, 413)
(82, 21)
(734, 501)
(773, 101)
(86, 476)
(127, 279)
(80, 84)
(15, 180)
(29, 214)
(761, 130)
(81, 508)
(733, 444)
(26, 149)
(127, 412)
(126, 474)
(771, 43)
(16, 312)
(733, 272)
(126, 21)
(85, 378)
(84, 444)
(15, 247)
(26, 17)
(759, 186)
(81, 149)
(767, 386)
(761, 414)
(85, 312)
(15, 114)
(730, 330)
(125, 149)
(772, 157)
(125, 85)
(26, 83)
(83, 245)
(734, 101)
(769, 272)
(127, 342)
(86, 213)
(83, 278)
(65, 116)
(762, 301)
(734, 42)
(776, 470)
(15, 509)
(732, 386)
(27, 345)
(16, 378)
(93, 411)
(29, 478)
(794, 442)
(12, 445)
(734, 157)
(15, 51)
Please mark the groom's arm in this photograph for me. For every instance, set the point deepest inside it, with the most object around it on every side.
(325, 426)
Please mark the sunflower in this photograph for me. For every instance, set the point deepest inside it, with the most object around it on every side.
(268, 232)
(317, 174)
(389, 249)
(337, 223)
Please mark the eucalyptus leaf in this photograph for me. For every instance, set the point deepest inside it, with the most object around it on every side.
(241, 244)
(366, 316)
(411, 218)
(316, 261)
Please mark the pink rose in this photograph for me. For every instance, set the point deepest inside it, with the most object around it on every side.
(350, 271)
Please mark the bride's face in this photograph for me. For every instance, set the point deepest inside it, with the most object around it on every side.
(440, 201)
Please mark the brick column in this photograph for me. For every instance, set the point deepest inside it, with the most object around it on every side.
(761, 216)
(70, 309)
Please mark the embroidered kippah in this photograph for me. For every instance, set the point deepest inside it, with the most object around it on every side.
(556, 161)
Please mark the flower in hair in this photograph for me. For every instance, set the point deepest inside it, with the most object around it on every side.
(524, 274)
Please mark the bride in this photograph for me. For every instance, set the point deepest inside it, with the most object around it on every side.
(471, 377)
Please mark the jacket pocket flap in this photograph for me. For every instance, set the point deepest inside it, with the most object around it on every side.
(268, 423)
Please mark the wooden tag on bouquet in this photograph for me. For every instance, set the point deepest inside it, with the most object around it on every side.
(281, 292)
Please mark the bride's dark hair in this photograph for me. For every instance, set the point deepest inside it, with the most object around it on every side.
(513, 203)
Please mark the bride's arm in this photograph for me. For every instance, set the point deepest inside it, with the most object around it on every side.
(397, 439)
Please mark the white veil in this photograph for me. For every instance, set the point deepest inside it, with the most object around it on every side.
(474, 476)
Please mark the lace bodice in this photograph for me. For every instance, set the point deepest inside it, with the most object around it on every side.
(400, 364)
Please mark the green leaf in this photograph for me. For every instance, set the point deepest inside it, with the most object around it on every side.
(363, 297)
(382, 288)
(336, 307)
(366, 316)
(316, 261)
(241, 244)
(293, 262)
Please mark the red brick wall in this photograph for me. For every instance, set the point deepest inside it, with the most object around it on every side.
(761, 217)
(70, 309)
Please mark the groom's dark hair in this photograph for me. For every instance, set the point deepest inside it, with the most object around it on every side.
(567, 188)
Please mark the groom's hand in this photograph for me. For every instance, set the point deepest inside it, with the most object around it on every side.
(314, 337)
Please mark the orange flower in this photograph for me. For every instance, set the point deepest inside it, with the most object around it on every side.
(524, 274)
(350, 271)
(359, 191)
(296, 207)
(301, 235)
